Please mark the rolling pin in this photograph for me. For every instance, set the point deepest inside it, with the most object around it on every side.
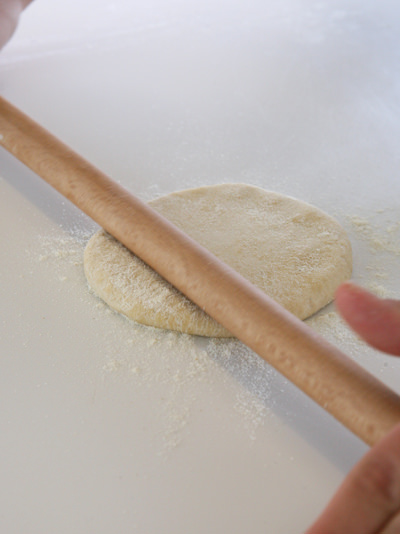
(343, 388)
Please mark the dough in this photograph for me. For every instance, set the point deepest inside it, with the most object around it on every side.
(294, 252)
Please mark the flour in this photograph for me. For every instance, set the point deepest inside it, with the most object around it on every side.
(182, 366)
(377, 235)
(382, 238)
(186, 368)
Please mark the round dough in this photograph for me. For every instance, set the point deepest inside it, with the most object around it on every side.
(294, 252)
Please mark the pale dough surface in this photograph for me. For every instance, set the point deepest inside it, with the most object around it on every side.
(293, 251)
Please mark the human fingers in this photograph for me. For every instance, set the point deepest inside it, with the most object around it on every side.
(368, 500)
(8, 22)
(376, 320)
(10, 11)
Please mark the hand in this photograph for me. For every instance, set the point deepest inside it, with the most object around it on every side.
(10, 11)
(368, 501)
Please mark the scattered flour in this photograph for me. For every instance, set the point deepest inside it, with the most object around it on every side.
(182, 365)
(177, 364)
(380, 238)
(379, 234)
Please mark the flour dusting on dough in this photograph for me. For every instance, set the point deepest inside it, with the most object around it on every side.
(294, 252)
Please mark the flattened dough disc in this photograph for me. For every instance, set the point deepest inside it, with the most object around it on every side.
(293, 251)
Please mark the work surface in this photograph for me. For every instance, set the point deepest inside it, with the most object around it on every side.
(107, 426)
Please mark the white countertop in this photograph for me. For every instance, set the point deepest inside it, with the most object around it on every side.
(107, 426)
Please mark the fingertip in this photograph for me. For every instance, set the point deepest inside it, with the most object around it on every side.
(349, 289)
(344, 291)
(353, 301)
(376, 320)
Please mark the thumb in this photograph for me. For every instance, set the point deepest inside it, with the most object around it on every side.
(376, 320)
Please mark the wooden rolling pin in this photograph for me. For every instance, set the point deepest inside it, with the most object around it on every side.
(343, 388)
